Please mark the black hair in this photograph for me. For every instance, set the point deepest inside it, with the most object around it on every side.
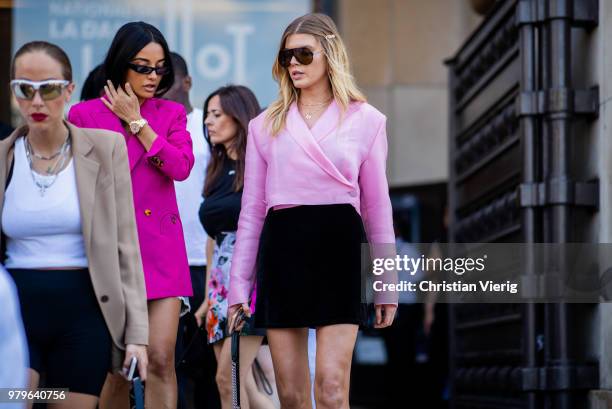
(129, 40)
(179, 64)
(93, 87)
(51, 50)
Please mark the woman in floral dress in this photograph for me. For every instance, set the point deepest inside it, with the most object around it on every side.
(227, 114)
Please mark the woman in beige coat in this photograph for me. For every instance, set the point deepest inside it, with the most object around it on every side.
(69, 236)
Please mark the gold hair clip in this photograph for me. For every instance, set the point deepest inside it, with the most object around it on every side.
(330, 36)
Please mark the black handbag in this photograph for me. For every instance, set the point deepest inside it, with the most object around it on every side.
(193, 358)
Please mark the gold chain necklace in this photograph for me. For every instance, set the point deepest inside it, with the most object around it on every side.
(310, 113)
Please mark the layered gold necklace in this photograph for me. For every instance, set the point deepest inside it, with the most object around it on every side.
(310, 110)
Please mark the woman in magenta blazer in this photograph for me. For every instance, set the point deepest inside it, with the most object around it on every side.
(139, 68)
(314, 181)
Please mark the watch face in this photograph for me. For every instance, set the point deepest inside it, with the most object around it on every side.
(136, 126)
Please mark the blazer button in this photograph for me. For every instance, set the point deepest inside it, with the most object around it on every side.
(352, 193)
(173, 220)
(104, 298)
(147, 212)
(157, 161)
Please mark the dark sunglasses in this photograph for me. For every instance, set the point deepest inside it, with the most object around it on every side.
(48, 90)
(145, 69)
(303, 55)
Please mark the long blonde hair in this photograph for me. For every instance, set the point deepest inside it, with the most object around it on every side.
(343, 86)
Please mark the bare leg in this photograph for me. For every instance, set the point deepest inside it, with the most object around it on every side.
(289, 348)
(221, 383)
(335, 344)
(257, 398)
(76, 401)
(161, 391)
(264, 358)
(33, 383)
(115, 393)
(249, 345)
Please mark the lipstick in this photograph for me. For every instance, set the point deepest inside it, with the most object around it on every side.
(39, 117)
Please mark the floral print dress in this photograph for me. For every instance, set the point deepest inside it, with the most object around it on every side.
(219, 214)
(218, 287)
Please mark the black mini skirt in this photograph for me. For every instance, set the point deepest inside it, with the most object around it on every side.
(309, 268)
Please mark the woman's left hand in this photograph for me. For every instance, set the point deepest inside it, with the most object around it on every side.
(384, 315)
(124, 104)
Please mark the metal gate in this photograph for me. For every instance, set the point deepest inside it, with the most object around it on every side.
(516, 105)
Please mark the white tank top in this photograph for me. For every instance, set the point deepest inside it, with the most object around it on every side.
(42, 231)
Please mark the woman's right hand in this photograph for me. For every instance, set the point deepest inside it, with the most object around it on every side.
(200, 314)
(233, 313)
(123, 103)
(140, 352)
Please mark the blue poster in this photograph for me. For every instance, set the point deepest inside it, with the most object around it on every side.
(223, 41)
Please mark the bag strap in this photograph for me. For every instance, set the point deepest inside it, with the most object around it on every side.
(261, 379)
(200, 331)
(11, 160)
(235, 347)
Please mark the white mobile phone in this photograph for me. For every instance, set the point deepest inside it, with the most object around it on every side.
(130, 372)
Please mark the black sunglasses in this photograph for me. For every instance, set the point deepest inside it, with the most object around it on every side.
(303, 55)
(145, 69)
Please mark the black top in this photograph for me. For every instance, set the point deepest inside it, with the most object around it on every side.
(221, 208)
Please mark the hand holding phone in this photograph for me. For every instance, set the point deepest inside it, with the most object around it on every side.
(129, 373)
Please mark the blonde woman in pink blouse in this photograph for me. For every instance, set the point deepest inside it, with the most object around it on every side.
(314, 189)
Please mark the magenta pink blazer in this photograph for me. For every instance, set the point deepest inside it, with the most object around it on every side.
(341, 159)
(170, 158)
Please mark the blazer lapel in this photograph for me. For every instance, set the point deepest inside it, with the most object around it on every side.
(149, 111)
(328, 122)
(106, 119)
(86, 169)
(5, 146)
(299, 131)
